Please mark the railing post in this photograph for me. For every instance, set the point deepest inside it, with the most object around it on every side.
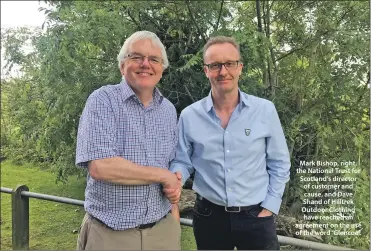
(20, 219)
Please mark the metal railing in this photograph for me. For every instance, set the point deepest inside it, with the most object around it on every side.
(20, 220)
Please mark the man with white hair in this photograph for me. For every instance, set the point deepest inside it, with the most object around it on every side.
(126, 139)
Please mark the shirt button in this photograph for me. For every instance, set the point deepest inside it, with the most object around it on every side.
(226, 132)
(228, 170)
(227, 151)
(229, 189)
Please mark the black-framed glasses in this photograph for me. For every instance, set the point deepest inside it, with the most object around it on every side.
(230, 65)
(139, 58)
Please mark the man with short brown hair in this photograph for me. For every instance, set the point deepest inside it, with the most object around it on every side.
(235, 144)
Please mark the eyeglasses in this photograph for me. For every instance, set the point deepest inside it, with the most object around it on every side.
(138, 58)
(230, 65)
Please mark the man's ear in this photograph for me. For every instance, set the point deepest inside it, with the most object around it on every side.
(122, 68)
(206, 70)
(241, 67)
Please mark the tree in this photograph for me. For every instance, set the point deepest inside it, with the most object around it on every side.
(311, 58)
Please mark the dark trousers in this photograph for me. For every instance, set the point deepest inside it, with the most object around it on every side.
(216, 229)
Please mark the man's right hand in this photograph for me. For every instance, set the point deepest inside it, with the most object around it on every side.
(172, 187)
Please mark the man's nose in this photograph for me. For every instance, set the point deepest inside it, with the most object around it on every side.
(145, 62)
(223, 70)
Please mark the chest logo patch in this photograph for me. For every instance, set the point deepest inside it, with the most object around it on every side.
(247, 132)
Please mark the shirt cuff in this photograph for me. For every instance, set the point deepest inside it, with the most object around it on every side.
(182, 170)
(272, 203)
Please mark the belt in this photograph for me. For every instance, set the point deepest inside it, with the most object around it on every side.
(141, 227)
(145, 226)
(149, 225)
(227, 209)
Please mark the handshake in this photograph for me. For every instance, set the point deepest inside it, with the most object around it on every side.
(172, 187)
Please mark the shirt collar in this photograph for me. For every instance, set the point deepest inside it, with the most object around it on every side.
(243, 100)
(128, 92)
(158, 95)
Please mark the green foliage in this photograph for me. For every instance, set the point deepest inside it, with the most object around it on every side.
(311, 58)
(362, 215)
(53, 225)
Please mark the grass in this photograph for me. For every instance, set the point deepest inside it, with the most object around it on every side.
(53, 225)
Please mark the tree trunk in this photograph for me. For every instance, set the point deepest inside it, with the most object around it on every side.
(260, 44)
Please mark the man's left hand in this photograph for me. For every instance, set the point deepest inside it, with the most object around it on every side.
(265, 213)
(173, 194)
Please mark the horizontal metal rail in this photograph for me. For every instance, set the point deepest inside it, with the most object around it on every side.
(186, 222)
(6, 190)
(308, 244)
(64, 200)
(48, 197)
